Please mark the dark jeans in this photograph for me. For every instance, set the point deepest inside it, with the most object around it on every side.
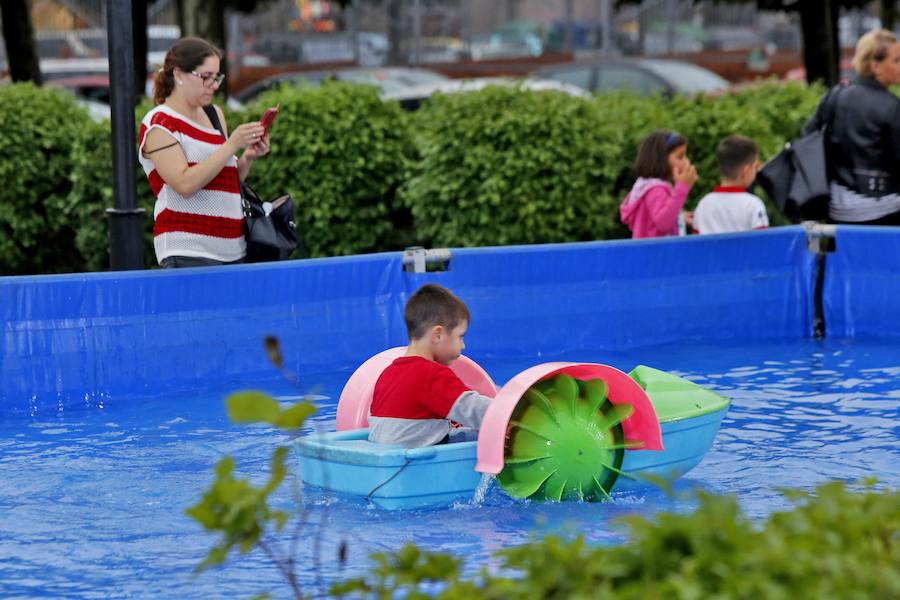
(460, 434)
(178, 262)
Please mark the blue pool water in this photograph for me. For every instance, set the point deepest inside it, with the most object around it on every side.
(92, 500)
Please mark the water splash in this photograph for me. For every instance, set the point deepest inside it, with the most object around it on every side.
(481, 490)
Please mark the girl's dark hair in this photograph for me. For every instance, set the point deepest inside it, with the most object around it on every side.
(187, 54)
(653, 155)
(432, 305)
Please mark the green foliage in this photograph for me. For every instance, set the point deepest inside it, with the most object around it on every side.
(496, 166)
(407, 570)
(39, 128)
(835, 543)
(342, 154)
(237, 509)
(252, 406)
(507, 166)
(92, 194)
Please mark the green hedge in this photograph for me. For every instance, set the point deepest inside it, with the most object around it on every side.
(39, 129)
(835, 543)
(342, 154)
(508, 166)
(92, 176)
(496, 166)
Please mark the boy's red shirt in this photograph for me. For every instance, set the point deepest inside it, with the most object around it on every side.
(413, 387)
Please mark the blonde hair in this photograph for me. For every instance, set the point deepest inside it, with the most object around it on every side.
(872, 46)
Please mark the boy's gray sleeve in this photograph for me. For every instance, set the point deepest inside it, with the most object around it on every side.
(469, 409)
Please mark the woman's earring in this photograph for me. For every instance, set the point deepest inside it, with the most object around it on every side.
(180, 82)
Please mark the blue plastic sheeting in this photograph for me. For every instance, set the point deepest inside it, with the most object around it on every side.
(862, 283)
(80, 339)
(614, 295)
(84, 338)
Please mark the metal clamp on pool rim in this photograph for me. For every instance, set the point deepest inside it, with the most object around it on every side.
(416, 257)
(819, 236)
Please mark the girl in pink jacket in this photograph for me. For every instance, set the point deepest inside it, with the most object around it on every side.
(665, 176)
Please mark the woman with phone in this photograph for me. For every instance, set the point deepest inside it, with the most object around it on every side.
(192, 167)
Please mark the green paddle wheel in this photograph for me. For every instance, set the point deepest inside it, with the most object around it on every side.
(565, 442)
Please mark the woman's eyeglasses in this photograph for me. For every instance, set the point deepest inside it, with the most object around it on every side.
(210, 79)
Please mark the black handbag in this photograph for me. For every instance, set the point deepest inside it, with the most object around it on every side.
(269, 227)
(270, 230)
(796, 179)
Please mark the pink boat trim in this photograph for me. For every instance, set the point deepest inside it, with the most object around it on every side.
(356, 397)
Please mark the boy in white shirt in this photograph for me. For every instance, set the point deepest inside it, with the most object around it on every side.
(729, 207)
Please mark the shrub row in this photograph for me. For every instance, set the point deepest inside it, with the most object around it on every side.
(835, 543)
(496, 166)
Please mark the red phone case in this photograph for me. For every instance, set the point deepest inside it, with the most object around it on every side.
(269, 117)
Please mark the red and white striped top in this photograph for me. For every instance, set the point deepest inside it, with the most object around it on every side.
(207, 224)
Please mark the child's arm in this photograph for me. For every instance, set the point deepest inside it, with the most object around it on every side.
(665, 205)
(469, 409)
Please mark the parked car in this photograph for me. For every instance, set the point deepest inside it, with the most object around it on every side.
(412, 98)
(388, 79)
(645, 76)
(89, 87)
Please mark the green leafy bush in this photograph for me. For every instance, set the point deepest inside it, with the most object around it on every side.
(835, 543)
(342, 154)
(508, 166)
(92, 194)
(39, 129)
(496, 166)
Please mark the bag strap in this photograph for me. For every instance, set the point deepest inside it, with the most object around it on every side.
(210, 111)
(830, 104)
(213, 116)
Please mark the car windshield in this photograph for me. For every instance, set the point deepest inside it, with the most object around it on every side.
(685, 77)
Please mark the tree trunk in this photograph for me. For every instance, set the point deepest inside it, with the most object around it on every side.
(21, 52)
(888, 14)
(206, 19)
(139, 38)
(821, 54)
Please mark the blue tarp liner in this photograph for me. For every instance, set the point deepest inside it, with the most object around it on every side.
(68, 339)
(862, 283)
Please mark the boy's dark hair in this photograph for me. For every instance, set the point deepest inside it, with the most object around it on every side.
(433, 305)
(733, 153)
(653, 155)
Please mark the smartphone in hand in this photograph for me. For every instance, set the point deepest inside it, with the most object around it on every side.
(269, 117)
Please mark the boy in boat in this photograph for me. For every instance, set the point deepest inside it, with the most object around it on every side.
(418, 395)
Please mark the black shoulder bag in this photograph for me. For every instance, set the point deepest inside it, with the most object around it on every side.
(796, 179)
(270, 231)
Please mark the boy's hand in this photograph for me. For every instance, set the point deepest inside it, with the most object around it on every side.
(686, 174)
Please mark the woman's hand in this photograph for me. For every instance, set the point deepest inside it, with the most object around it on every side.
(261, 148)
(686, 174)
(246, 135)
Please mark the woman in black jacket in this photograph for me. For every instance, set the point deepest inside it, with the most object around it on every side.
(863, 141)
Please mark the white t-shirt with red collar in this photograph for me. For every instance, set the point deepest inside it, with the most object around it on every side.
(730, 209)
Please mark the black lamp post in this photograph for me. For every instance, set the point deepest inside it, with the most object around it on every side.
(126, 246)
